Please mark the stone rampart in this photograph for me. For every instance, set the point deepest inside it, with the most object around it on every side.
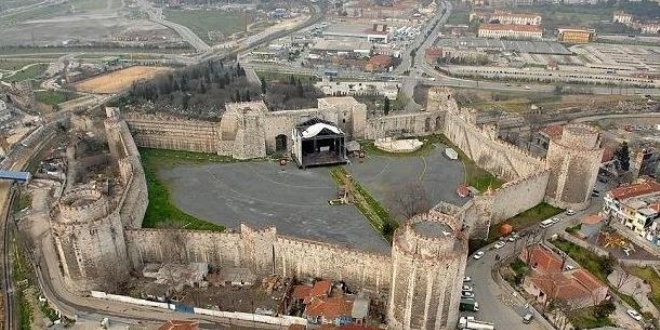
(500, 158)
(305, 258)
(409, 124)
(152, 131)
(518, 196)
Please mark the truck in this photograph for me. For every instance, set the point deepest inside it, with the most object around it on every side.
(469, 304)
(478, 325)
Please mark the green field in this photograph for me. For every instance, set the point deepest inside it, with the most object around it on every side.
(32, 72)
(161, 211)
(55, 97)
(526, 219)
(203, 21)
(15, 65)
(35, 13)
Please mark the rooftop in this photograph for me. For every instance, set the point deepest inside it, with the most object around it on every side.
(542, 259)
(510, 27)
(593, 219)
(320, 289)
(432, 229)
(330, 308)
(180, 325)
(553, 131)
(634, 190)
(341, 45)
(339, 101)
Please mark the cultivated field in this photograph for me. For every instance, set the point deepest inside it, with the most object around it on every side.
(118, 81)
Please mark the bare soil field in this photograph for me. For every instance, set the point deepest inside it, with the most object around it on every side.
(118, 81)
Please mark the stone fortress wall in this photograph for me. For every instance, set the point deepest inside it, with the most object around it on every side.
(153, 131)
(263, 251)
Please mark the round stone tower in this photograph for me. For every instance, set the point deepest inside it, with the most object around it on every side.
(89, 239)
(428, 263)
(574, 159)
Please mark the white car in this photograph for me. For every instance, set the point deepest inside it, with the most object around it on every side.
(468, 294)
(634, 314)
(467, 279)
(478, 255)
(499, 244)
(513, 238)
(570, 212)
(555, 220)
(467, 288)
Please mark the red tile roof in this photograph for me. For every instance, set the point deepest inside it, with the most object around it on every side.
(296, 327)
(558, 286)
(589, 281)
(180, 325)
(320, 289)
(329, 308)
(301, 291)
(463, 191)
(553, 131)
(381, 60)
(608, 154)
(634, 190)
(542, 260)
(593, 219)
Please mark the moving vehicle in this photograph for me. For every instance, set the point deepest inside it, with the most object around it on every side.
(478, 255)
(631, 312)
(469, 305)
(499, 244)
(467, 294)
(467, 279)
(475, 325)
(528, 318)
(467, 288)
(547, 223)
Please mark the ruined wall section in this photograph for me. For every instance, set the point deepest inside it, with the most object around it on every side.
(305, 258)
(172, 133)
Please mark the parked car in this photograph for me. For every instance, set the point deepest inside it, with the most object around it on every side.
(570, 212)
(478, 255)
(555, 220)
(499, 244)
(513, 237)
(467, 288)
(634, 314)
(468, 294)
(569, 267)
(528, 318)
(467, 279)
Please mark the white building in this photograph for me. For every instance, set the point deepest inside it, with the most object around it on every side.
(507, 18)
(385, 88)
(622, 17)
(519, 32)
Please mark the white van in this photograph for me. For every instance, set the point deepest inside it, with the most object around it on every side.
(547, 223)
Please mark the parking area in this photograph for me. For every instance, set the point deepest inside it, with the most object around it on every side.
(516, 46)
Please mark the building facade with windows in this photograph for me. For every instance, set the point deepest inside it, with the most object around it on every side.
(637, 207)
(516, 32)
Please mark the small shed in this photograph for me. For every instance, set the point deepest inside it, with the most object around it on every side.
(463, 191)
(506, 229)
(451, 153)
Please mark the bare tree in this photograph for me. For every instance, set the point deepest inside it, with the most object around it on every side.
(534, 120)
(622, 278)
(409, 200)
(110, 278)
(173, 244)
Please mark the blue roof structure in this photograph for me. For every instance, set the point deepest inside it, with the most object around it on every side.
(16, 176)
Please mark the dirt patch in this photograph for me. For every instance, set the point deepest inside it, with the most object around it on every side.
(118, 81)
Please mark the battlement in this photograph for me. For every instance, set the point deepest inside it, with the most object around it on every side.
(523, 180)
(579, 136)
(302, 244)
(431, 235)
(82, 205)
(157, 118)
(242, 107)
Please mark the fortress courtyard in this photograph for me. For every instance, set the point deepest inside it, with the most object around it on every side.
(296, 201)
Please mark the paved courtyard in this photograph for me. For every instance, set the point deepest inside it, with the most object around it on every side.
(296, 201)
(435, 172)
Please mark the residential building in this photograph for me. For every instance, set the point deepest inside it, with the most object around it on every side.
(335, 310)
(622, 17)
(576, 35)
(551, 281)
(506, 18)
(517, 32)
(578, 288)
(636, 207)
(648, 28)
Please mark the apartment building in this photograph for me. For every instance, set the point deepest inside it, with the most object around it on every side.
(576, 35)
(637, 207)
(515, 32)
(622, 17)
(506, 18)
